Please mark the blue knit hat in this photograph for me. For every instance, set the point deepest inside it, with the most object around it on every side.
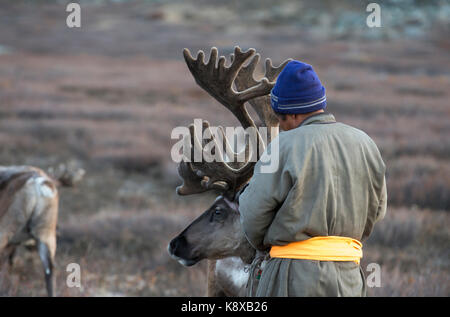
(298, 90)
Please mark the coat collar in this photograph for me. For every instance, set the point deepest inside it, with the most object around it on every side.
(319, 118)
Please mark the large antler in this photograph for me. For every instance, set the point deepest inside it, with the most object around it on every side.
(216, 174)
(261, 105)
(218, 79)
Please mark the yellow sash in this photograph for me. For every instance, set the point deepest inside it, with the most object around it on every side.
(329, 248)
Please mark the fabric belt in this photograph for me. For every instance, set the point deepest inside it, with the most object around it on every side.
(327, 248)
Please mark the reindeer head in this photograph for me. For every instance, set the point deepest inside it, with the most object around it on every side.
(217, 232)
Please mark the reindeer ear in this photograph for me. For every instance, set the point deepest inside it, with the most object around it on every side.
(232, 204)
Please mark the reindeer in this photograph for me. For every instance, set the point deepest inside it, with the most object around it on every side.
(29, 210)
(217, 234)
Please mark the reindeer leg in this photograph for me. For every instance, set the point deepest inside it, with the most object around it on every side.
(43, 230)
(47, 261)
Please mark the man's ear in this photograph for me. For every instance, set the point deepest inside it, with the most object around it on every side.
(296, 116)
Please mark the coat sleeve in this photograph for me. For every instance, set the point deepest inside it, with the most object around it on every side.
(377, 214)
(261, 199)
(383, 202)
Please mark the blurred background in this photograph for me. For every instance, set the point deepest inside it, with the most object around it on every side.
(106, 97)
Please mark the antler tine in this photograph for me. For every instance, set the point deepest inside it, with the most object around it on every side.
(273, 72)
(191, 180)
(236, 65)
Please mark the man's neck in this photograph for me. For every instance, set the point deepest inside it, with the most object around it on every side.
(303, 117)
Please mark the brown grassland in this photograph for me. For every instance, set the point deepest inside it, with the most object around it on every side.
(107, 96)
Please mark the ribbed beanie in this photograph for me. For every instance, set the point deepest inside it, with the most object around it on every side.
(298, 90)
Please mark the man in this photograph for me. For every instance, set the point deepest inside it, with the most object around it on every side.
(325, 197)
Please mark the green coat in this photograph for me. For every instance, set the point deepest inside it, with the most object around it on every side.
(330, 181)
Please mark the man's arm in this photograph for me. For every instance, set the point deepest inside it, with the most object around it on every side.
(260, 201)
(383, 202)
(379, 213)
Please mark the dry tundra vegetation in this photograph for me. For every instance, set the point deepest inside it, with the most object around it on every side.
(106, 97)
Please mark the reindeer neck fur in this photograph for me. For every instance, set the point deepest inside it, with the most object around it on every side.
(229, 276)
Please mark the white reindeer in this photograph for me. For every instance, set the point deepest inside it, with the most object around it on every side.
(29, 210)
(217, 235)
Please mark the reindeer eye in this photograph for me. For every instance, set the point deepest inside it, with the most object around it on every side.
(217, 215)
